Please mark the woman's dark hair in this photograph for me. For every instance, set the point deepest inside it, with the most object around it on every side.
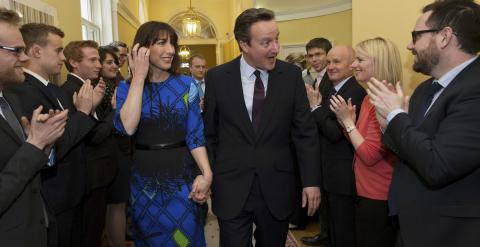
(107, 49)
(150, 32)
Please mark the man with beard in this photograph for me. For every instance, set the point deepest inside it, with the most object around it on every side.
(434, 189)
(23, 218)
(256, 108)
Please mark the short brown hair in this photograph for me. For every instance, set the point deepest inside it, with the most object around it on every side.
(74, 52)
(9, 16)
(37, 33)
(246, 19)
(190, 59)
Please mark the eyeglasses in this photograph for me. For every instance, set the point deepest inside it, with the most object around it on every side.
(416, 34)
(17, 50)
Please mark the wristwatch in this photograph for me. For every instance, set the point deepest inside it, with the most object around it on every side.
(349, 129)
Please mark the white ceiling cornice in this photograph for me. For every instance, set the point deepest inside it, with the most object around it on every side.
(301, 14)
(286, 10)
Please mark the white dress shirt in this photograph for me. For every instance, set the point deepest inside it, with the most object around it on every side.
(248, 83)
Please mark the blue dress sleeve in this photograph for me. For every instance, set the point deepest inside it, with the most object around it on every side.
(194, 123)
(122, 92)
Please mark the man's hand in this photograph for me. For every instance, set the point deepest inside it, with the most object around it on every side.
(45, 129)
(313, 94)
(83, 100)
(98, 93)
(311, 198)
(385, 99)
(202, 103)
(200, 189)
(114, 99)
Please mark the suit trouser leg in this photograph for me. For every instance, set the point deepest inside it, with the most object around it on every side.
(94, 213)
(341, 212)
(323, 216)
(374, 228)
(237, 232)
(64, 229)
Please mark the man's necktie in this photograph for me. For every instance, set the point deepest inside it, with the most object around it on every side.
(11, 118)
(258, 98)
(426, 100)
(199, 88)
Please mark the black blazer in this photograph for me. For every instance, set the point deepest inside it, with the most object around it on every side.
(63, 185)
(237, 153)
(100, 143)
(22, 219)
(435, 185)
(337, 151)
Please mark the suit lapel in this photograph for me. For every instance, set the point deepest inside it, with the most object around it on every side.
(234, 76)
(4, 124)
(43, 89)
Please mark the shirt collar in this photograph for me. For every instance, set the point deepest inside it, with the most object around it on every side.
(340, 85)
(80, 78)
(450, 75)
(322, 73)
(37, 76)
(248, 70)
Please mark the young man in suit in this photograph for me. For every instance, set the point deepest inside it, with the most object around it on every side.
(198, 68)
(337, 151)
(83, 63)
(63, 185)
(317, 50)
(256, 108)
(435, 183)
(23, 217)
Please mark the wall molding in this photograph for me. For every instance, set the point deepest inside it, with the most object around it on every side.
(302, 14)
(123, 11)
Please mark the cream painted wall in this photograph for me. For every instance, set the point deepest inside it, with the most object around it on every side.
(336, 27)
(132, 5)
(393, 20)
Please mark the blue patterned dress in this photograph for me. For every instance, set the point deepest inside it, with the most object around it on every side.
(161, 212)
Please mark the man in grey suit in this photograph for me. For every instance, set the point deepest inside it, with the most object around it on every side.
(435, 185)
(24, 147)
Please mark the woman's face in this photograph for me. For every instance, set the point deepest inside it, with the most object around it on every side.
(162, 53)
(109, 67)
(363, 67)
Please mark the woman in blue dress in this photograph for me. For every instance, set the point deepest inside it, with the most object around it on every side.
(171, 174)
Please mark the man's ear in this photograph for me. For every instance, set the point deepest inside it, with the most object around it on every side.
(446, 36)
(35, 51)
(243, 45)
(73, 63)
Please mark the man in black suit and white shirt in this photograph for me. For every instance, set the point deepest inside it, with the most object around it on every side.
(337, 151)
(63, 185)
(255, 109)
(23, 217)
(435, 186)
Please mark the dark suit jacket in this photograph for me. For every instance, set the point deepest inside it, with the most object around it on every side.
(337, 151)
(101, 162)
(22, 219)
(237, 153)
(63, 185)
(435, 185)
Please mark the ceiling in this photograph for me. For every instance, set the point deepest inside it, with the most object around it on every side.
(297, 9)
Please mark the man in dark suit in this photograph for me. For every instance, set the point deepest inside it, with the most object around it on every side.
(83, 63)
(435, 186)
(255, 109)
(337, 151)
(317, 50)
(23, 218)
(63, 185)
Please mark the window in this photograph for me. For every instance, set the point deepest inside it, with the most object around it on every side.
(97, 23)
(91, 21)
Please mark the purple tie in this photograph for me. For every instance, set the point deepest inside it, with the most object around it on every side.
(258, 98)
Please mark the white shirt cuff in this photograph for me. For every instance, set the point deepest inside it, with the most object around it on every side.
(393, 113)
(312, 109)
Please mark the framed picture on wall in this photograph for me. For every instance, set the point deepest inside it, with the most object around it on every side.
(290, 48)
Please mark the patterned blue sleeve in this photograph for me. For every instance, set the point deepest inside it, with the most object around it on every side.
(194, 122)
(122, 92)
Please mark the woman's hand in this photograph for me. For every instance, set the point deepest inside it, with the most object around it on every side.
(139, 62)
(200, 189)
(344, 111)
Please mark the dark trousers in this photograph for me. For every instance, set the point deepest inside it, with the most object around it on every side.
(341, 220)
(323, 216)
(237, 232)
(374, 228)
(94, 212)
(65, 228)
